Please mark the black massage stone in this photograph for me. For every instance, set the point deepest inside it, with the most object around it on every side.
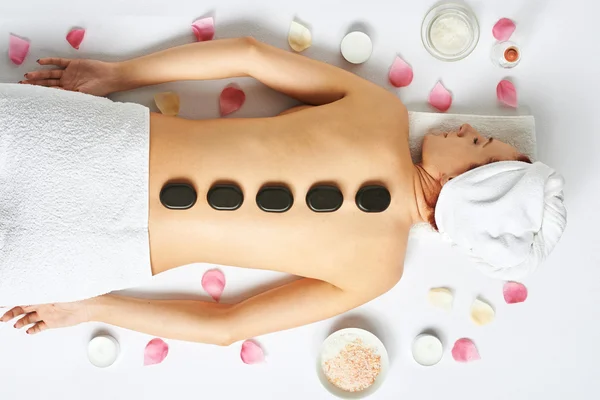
(373, 198)
(275, 199)
(225, 197)
(178, 196)
(324, 198)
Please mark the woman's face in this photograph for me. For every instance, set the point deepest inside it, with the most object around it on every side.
(449, 154)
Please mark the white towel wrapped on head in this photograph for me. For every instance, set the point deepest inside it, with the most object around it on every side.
(508, 215)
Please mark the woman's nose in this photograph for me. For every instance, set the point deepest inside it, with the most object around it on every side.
(462, 131)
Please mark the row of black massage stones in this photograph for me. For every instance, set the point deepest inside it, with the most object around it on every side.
(274, 198)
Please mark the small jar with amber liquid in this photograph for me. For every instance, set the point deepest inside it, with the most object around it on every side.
(506, 54)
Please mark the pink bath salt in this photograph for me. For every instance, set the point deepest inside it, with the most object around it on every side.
(156, 351)
(503, 29)
(231, 100)
(514, 292)
(464, 350)
(401, 74)
(506, 93)
(204, 29)
(213, 281)
(252, 353)
(75, 37)
(440, 97)
(17, 49)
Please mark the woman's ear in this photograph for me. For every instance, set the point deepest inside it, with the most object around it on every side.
(445, 179)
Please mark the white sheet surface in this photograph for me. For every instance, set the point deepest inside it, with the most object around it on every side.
(542, 349)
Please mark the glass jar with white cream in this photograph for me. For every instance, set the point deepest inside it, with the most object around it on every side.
(450, 31)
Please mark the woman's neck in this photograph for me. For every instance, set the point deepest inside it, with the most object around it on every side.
(427, 190)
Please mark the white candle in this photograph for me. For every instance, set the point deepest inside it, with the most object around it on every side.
(103, 351)
(356, 47)
(427, 350)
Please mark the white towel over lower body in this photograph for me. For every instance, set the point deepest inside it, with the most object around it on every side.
(73, 195)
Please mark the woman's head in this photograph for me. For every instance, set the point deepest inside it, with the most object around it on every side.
(449, 154)
(446, 155)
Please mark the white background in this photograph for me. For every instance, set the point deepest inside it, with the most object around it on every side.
(545, 348)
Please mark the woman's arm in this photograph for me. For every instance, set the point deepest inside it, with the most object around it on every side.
(298, 303)
(312, 82)
(307, 80)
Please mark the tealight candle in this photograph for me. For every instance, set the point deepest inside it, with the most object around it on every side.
(356, 47)
(103, 351)
(427, 350)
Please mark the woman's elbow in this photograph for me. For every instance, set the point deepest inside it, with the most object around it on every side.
(217, 330)
(224, 340)
(249, 41)
(231, 328)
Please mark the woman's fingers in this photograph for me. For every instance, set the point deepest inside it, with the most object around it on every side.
(37, 328)
(59, 62)
(42, 82)
(12, 313)
(45, 74)
(30, 318)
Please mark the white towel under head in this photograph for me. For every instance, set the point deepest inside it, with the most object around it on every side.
(73, 195)
(518, 131)
(507, 215)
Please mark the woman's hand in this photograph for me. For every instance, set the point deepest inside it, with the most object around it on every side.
(87, 76)
(48, 316)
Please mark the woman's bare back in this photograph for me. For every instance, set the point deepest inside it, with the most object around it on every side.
(342, 143)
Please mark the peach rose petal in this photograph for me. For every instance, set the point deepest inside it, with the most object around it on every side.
(204, 29)
(514, 292)
(507, 94)
(231, 100)
(401, 74)
(167, 103)
(441, 298)
(299, 37)
(213, 281)
(440, 97)
(482, 313)
(75, 37)
(252, 353)
(503, 29)
(18, 48)
(464, 350)
(156, 351)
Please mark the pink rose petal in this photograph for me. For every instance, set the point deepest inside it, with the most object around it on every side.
(156, 351)
(213, 281)
(503, 29)
(464, 350)
(204, 29)
(252, 353)
(17, 49)
(401, 74)
(231, 100)
(440, 97)
(75, 37)
(507, 94)
(514, 292)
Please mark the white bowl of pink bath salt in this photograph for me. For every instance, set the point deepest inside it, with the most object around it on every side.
(352, 363)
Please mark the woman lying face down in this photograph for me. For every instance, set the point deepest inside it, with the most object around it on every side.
(507, 215)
